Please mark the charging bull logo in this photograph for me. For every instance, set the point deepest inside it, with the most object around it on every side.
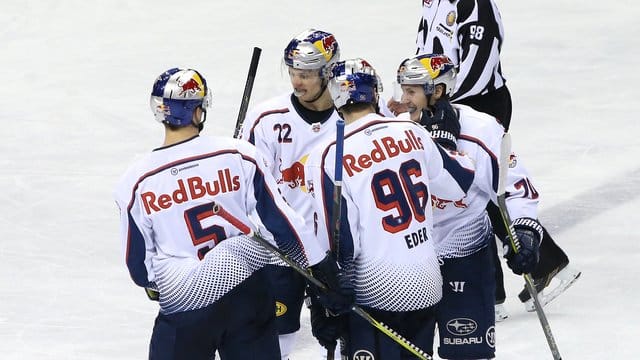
(191, 87)
(436, 64)
(293, 175)
(327, 46)
(347, 86)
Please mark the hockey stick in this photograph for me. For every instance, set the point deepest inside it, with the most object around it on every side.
(337, 200)
(248, 87)
(337, 188)
(505, 151)
(220, 211)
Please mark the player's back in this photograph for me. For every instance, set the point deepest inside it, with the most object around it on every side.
(169, 193)
(387, 166)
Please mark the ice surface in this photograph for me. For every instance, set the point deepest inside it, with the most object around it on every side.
(76, 77)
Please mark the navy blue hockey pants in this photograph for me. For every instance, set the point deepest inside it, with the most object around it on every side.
(241, 325)
(466, 318)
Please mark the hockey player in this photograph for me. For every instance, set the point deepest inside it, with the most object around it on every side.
(462, 229)
(207, 278)
(385, 247)
(471, 33)
(285, 129)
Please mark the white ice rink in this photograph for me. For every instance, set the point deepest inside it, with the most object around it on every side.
(75, 78)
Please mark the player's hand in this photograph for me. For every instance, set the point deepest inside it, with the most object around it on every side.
(324, 327)
(396, 107)
(529, 234)
(339, 296)
(152, 292)
(443, 124)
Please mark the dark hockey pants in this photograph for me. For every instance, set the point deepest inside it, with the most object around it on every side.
(241, 325)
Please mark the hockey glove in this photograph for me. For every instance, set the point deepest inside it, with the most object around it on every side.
(338, 298)
(528, 233)
(442, 123)
(152, 292)
(324, 327)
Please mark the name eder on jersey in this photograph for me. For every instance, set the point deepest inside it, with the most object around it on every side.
(384, 148)
(416, 238)
(191, 188)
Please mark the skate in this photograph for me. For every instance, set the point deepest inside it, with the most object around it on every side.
(501, 312)
(564, 277)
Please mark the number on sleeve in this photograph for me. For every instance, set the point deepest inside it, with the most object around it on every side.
(529, 191)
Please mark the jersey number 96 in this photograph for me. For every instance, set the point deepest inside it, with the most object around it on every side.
(396, 191)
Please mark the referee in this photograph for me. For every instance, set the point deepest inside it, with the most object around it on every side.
(470, 33)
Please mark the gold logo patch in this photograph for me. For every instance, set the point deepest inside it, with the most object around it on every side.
(281, 308)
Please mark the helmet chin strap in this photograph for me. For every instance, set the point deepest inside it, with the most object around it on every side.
(203, 118)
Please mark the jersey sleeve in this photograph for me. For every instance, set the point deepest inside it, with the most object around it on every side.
(421, 33)
(135, 234)
(450, 172)
(522, 198)
(252, 132)
(480, 37)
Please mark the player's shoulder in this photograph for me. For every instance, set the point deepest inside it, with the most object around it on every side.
(277, 105)
(373, 122)
(467, 7)
(227, 144)
(477, 124)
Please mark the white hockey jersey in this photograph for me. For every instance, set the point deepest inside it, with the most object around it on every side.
(286, 140)
(462, 224)
(167, 221)
(386, 243)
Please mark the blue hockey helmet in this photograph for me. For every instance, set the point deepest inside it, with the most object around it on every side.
(176, 94)
(428, 70)
(312, 50)
(353, 81)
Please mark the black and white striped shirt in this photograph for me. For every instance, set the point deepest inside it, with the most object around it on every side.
(470, 32)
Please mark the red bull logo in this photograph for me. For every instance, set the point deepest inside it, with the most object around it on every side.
(293, 176)
(327, 46)
(438, 62)
(190, 87)
(435, 64)
(347, 85)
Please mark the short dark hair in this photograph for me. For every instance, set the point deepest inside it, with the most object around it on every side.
(357, 107)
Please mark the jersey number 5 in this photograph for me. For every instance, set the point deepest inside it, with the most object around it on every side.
(396, 191)
(199, 235)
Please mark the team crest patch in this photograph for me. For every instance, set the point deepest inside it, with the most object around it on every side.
(451, 18)
(513, 161)
(281, 308)
(315, 127)
(427, 3)
(363, 355)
